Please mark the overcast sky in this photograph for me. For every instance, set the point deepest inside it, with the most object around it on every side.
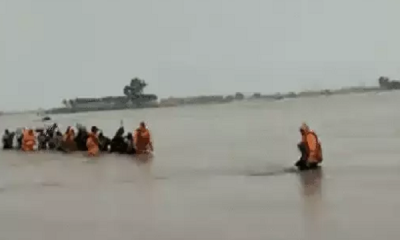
(56, 49)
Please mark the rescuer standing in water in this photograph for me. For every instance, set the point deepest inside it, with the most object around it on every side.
(143, 140)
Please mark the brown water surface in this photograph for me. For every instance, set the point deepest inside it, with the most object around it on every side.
(212, 176)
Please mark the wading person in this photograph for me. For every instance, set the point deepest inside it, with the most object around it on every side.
(92, 142)
(310, 148)
(142, 140)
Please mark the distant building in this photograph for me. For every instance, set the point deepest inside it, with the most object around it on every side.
(95, 103)
(134, 98)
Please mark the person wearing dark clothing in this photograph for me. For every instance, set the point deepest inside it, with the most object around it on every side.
(118, 143)
(8, 139)
(104, 142)
(42, 141)
(50, 131)
(129, 141)
(50, 134)
(55, 141)
(302, 163)
(81, 139)
(19, 137)
(50, 142)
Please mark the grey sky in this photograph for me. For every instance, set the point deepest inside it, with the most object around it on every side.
(55, 49)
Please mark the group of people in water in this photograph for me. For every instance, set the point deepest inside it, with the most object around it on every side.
(138, 142)
(93, 142)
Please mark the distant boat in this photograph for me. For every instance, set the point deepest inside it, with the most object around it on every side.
(47, 118)
(41, 113)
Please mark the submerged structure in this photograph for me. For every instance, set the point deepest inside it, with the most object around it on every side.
(133, 98)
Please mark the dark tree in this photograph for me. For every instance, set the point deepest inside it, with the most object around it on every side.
(239, 96)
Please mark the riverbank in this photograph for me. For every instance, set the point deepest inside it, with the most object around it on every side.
(220, 99)
(207, 100)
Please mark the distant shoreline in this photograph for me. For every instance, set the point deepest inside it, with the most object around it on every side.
(101, 104)
(220, 99)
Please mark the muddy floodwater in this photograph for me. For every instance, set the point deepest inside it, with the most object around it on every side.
(216, 174)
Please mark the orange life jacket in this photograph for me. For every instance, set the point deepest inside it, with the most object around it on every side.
(313, 146)
(92, 144)
(69, 136)
(142, 140)
(28, 141)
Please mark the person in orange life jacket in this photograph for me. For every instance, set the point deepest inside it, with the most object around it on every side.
(142, 139)
(92, 142)
(310, 148)
(28, 140)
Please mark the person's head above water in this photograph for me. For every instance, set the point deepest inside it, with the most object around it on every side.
(142, 125)
(94, 129)
(129, 136)
(6, 132)
(304, 128)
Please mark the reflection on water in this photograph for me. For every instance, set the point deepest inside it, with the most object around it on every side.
(311, 183)
(311, 190)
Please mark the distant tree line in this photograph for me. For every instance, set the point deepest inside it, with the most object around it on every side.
(386, 83)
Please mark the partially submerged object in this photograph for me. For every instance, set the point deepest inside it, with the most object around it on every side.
(46, 118)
